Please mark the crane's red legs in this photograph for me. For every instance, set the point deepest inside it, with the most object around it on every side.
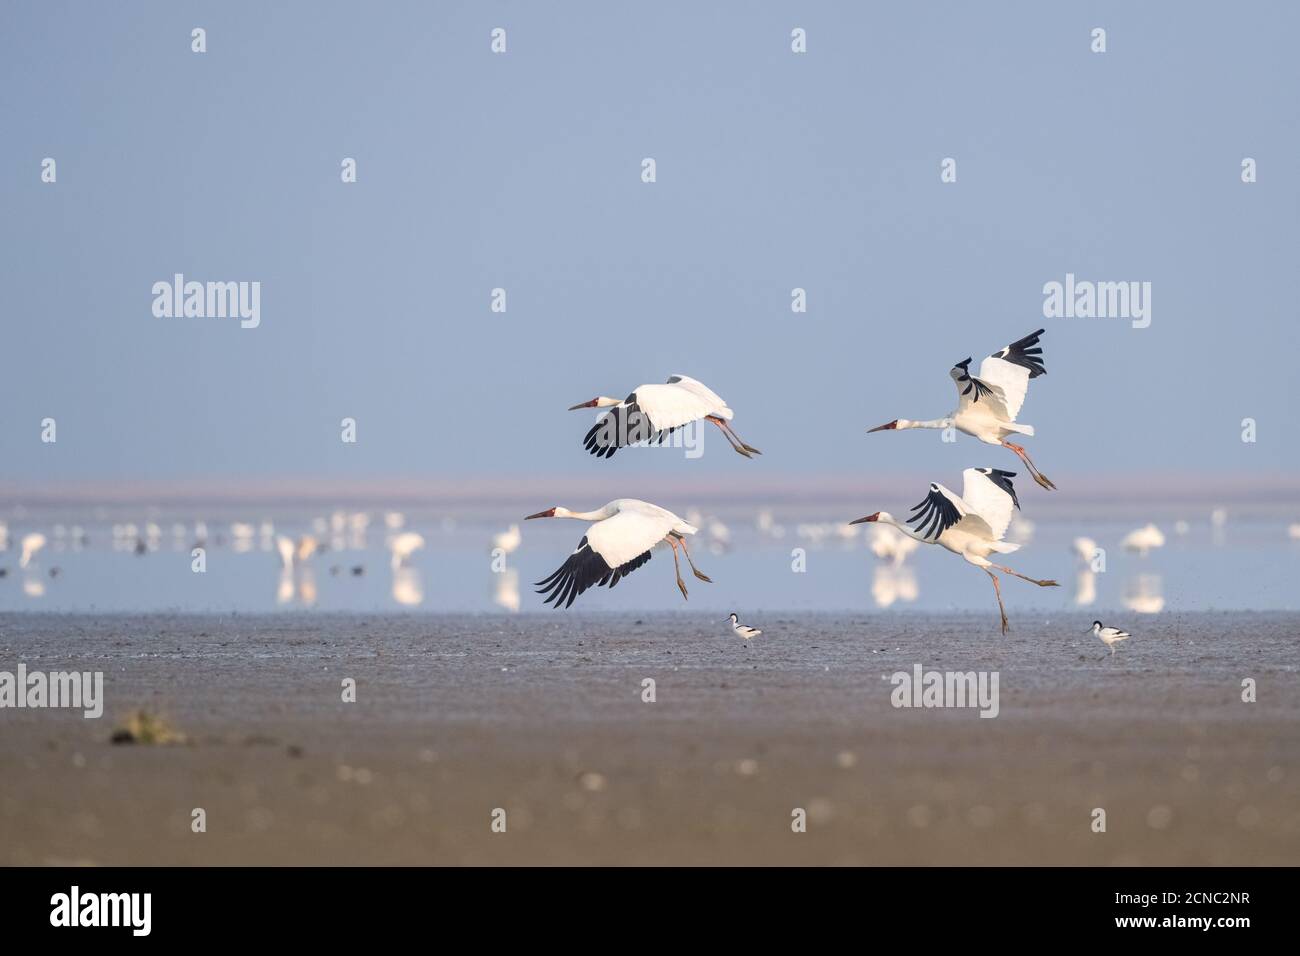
(732, 432)
(1041, 584)
(997, 589)
(677, 566)
(698, 573)
(723, 428)
(1039, 477)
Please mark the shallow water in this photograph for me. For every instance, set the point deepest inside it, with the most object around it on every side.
(1246, 565)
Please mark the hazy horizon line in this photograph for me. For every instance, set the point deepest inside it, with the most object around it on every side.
(1079, 490)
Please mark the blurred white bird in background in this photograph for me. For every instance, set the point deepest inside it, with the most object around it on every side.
(31, 544)
(890, 544)
(297, 579)
(403, 546)
(1143, 540)
(508, 540)
(1085, 580)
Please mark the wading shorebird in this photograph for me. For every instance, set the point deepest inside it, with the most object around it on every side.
(744, 630)
(971, 526)
(653, 412)
(1110, 636)
(987, 405)
(616, 544)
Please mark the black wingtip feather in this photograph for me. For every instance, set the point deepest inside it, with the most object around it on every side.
(582, 570)
(1022, 352)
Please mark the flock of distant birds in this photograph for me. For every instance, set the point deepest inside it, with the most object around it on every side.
(622, 534)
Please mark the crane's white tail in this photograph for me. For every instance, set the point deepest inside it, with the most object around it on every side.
(1004, 547)
(1019, 429)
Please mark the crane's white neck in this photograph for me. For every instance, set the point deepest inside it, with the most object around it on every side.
(600, 514)
(932, 423)
(886, 518)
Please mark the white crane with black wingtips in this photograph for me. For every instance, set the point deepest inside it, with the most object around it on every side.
(971, 525)
(618, 541)
(988, 403)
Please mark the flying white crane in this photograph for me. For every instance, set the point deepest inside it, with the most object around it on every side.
(653, 412)
(987, 405)
(971, 525)
(614, 546)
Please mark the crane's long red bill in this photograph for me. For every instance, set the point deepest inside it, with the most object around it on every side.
(884, 427)
(548, 513)
(867, 518)
(590, 404)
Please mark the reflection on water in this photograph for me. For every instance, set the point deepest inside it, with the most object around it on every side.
(408, 588)
(297, 587)
(1085, 587)
(892, 581)
(1144, 594)
(436, 561)
(890, 584)
(505, 590)
(1090, 561)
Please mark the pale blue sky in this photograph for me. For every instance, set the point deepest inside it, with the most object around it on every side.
(775, 170)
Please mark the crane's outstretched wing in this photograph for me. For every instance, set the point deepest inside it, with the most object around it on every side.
(1009, 370)
(716, 402)
(625, 424)
(674, 404)
(610, 550)
(989, 495)
(584, 569)
(972, 390)
(936, 512)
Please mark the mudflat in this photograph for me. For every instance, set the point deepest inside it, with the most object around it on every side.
(547, 718)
